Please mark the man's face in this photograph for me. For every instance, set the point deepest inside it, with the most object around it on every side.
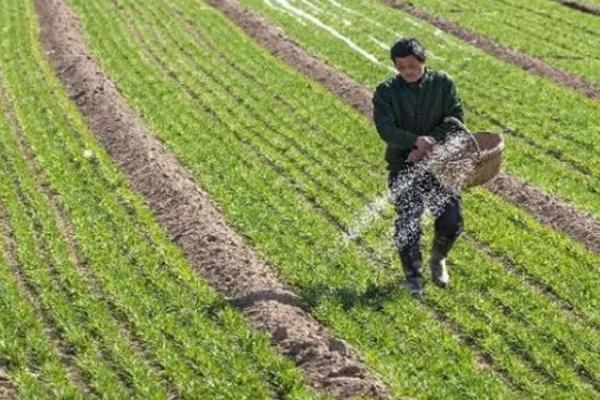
(409, 68)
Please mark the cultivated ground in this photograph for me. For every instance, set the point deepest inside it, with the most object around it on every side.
(193, 203)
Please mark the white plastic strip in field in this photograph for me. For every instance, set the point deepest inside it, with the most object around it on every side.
(317, 22)
(379, 42)
(312, 6)
(377, 24)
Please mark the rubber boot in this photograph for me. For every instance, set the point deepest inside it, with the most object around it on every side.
(411, 264)
(439, 271)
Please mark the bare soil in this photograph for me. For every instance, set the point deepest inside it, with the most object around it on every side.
(195, 222)
(547, 209)
(500, 51)
(7, 391)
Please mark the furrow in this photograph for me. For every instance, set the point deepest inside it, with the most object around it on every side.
(579, 6)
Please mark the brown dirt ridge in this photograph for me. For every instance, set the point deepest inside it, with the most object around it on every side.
(576, 5)
(547, 209)
(194, 222)
(7, 391)
(500, 51)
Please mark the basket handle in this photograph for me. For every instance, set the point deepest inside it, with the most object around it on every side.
(467, 131)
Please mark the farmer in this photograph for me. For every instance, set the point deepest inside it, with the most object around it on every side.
(411, 113)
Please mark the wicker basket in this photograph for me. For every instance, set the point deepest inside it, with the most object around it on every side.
(475, 160)
(489, 157)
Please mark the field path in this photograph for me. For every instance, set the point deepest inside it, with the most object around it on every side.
(547, 209)
(194, 221)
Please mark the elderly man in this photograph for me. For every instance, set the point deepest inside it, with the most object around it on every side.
(410, 110)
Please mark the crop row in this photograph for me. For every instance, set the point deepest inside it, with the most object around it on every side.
(21, 330)
(550, 134)
(558, 35)
(122, 300)
(259, 126)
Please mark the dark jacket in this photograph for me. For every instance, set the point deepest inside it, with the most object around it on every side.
(403, 111)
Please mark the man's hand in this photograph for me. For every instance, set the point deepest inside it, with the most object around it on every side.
(422, 148)
(425, 143)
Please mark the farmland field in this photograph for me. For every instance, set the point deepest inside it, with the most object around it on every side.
(99, 297)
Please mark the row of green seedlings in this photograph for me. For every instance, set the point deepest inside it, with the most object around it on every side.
(24, 348)
(282, 168)
(550, 146)
(544, 29)
(134, 279)
(42, 255)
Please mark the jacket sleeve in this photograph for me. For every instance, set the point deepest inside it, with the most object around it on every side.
(453, 108)
(386, 124)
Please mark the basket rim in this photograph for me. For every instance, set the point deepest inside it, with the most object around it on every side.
(495, 139)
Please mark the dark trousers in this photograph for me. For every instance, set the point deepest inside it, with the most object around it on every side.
(413, 189)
